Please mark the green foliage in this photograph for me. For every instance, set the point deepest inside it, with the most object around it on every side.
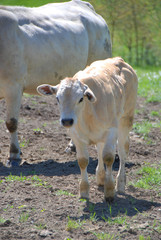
(41, 226)
(144, 128)
(62, 192)
(134, 26)
(2, 220)
(141, 237)
(72, 224)
(27, 3)
(150, 177)
(35, 180)
(149, 84)
(23, 217)
(155, 114)
(104, 236)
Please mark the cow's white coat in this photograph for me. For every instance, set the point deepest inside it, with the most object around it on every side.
(43, 45)
(104, 117)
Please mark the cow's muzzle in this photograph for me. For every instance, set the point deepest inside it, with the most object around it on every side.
(67, 122)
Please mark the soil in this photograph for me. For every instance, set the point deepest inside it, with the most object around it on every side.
(42, 205)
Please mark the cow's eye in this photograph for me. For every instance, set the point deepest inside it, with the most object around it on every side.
(81, 100)
(57, 99)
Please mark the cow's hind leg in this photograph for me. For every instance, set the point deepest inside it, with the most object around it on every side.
(108, 159)
(83, 159)
(123, 148)
(13, 102)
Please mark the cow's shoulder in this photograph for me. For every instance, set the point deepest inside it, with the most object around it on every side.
(7, 17)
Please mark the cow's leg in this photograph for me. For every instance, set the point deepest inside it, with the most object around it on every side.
(123, 149)
(83, 159)
(100, 170)
(13, 102)
(108, 159)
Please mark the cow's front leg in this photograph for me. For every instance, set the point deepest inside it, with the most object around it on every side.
(13, 102)
(100, 170)
(83, 159)
(108, 159)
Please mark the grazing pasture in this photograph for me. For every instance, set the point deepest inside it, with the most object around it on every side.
(39, 199)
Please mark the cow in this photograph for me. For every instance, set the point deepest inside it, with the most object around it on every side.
(97, 107)
(44, 45)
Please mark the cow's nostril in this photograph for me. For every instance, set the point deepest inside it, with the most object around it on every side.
(67, 122)
(71, 122)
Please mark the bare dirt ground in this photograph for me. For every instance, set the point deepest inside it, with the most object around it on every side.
(43, 205)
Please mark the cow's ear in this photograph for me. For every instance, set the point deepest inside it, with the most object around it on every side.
(46, 89)
(90, 95)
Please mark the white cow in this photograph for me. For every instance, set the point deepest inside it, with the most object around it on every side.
(43, 45)
(97, 105)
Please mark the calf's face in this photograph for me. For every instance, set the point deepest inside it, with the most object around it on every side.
(71, 96)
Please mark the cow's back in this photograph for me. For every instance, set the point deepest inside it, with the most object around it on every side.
(114, 84)
(50, 42)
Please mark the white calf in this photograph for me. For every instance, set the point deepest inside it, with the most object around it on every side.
(97, 106)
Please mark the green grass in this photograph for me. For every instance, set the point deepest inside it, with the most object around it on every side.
(24, 143)
(40, 226)
(141, 237)
(23, 217)
(2, 220)
(73, 224)
(62, 192)
(28, 3)
(149, 84)
(35, 180)
(145, 127)
(156, 114)
(104, 236)
(149, 177)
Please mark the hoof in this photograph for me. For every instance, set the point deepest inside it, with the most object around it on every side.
(109, 199)
(13, 162)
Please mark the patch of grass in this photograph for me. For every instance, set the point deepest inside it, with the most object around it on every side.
(12, 178)
(44, 124)
(145, 127)
(24, 143)
(150, 178)
(119, 219)
(93, 217)
(2, 220)
(37, 130)
(35, 180)
(155, 114)
(157, 226)
(23, 217)
(104, 236)
(40, 226)
(141, 237)
(22, 206)
(62, 192)
(149, 84)
(73, 224)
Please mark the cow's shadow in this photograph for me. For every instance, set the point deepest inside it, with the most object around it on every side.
(123, 206)
(53, 167)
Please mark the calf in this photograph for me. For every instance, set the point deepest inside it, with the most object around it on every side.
(97, 106)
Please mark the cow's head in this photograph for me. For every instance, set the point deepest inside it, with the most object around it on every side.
(71, 95)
